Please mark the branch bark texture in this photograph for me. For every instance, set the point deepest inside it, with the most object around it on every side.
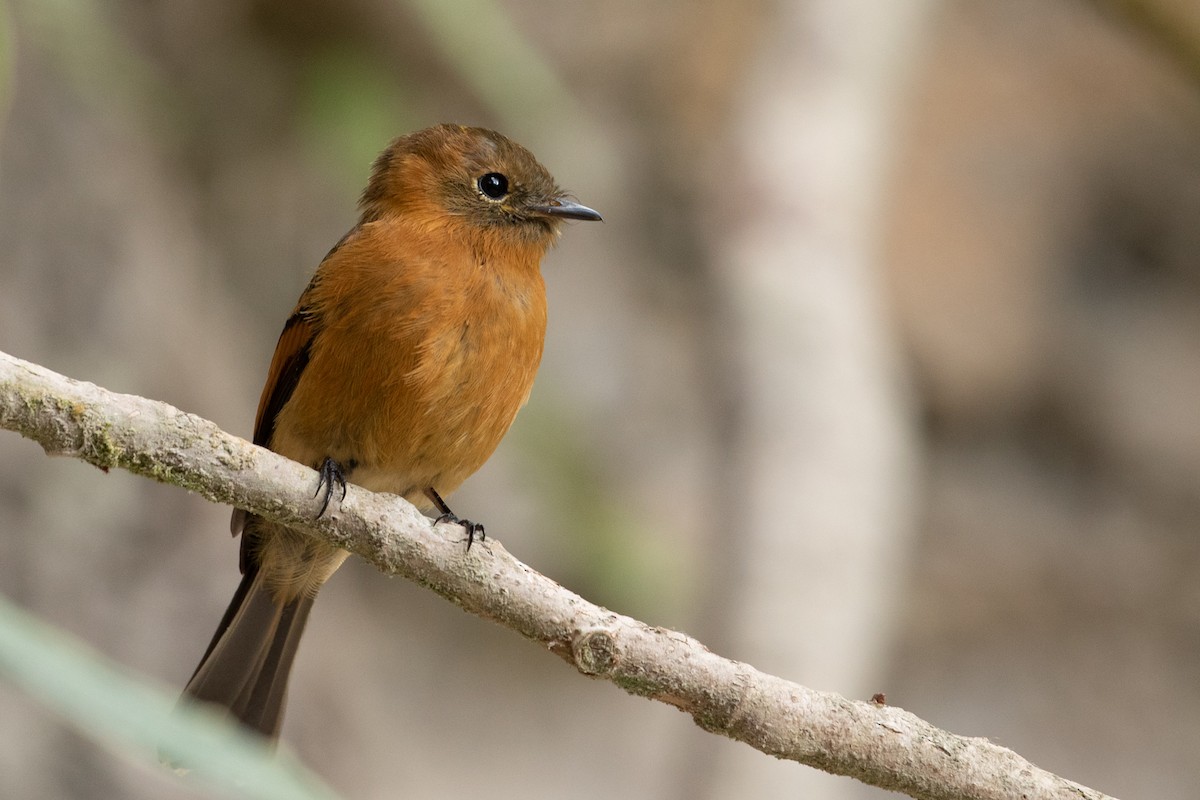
(880, 745)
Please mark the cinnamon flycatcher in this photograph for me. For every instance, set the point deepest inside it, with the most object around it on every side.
(400, 369)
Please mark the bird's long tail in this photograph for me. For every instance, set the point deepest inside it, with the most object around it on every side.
(246, 666)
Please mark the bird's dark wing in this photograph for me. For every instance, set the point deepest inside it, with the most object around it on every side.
(291, 357)
(287, 365)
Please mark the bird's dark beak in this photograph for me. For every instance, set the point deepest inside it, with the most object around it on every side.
(567, 209)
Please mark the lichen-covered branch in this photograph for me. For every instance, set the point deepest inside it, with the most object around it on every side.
(880, 745)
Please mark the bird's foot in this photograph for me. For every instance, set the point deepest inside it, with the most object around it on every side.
(473, 529)
(331, 473)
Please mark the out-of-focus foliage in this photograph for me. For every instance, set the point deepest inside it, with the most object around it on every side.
(138, 721)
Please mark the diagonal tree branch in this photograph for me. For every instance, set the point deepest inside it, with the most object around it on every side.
(879, 745)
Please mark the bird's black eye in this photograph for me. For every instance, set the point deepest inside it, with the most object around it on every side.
(493, 185)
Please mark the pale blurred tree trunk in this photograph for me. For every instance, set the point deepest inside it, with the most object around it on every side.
(822, 451)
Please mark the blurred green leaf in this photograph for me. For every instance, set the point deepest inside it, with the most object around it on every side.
(138, 720)
(99, 60)
(351, 109)
(505, 68)
(615, 557)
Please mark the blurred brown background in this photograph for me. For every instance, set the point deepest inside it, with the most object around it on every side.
(883, 373)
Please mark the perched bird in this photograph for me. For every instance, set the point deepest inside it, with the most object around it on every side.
(400, 369)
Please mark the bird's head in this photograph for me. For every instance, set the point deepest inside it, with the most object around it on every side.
(472, 179)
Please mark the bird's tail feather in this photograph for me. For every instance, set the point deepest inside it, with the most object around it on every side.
(246, 666)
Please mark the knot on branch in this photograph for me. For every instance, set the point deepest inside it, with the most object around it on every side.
(596, 652)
